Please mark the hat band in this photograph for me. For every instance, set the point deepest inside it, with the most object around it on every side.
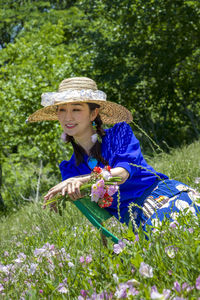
(58, 97)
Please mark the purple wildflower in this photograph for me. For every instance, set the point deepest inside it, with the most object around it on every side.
(191, 230)
(184, 285)
(166, 293)
(174, 224)
(170, 272)
(20, 258)
(40, 291)
(132, 291)
(121, 291)
(117, 248)
(177, 287)
(32, 268)
(137, 238)
(1, 288)
(198, 283)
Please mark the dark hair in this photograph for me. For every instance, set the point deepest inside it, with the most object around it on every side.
(95, 151)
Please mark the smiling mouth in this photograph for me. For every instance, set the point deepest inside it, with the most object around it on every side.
(70, 126)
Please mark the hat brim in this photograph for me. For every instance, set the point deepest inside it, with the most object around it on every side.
(110, 112)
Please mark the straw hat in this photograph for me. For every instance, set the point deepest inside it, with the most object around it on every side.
(80, 89)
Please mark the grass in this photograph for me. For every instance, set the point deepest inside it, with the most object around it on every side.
(48, 256)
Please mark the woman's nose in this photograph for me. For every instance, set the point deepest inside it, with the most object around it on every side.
(68, 116)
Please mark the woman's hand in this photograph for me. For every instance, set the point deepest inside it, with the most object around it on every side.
(71, 186)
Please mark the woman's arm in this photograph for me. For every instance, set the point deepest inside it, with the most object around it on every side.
(120, 172)
(71, 186)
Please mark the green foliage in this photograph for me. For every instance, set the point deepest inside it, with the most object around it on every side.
(144, 54)
(47, 251)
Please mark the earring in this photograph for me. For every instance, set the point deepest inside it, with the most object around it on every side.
(63, 137)
(94, 125)
(95, 136)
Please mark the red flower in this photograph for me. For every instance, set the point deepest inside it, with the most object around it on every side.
(97, 170)
(108, 168)
(106, 201)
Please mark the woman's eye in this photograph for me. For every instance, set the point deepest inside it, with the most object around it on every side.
(76, 109)
(61, 109)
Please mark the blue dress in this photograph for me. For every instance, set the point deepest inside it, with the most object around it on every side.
(146, 192)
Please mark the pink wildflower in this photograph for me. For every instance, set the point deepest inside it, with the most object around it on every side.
(98, 190)
(112, 189)
(88, 259)
(83, 293)
(82, 259)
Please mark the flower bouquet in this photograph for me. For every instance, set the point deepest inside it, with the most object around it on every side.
(101, 187)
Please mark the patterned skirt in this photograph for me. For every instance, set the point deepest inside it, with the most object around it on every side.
(166, 200)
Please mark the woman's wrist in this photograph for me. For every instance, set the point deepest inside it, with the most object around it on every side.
(120, 172)
(84, 178)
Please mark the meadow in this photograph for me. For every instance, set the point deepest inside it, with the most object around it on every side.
(45, 255)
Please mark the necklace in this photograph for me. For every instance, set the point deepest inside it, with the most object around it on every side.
(92, 162)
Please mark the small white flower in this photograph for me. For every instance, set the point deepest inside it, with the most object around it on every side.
(157, 296)
(70, 264)
(182, 188)
(32, 268)
(106, 175)
(197, 180)
(146, 270)
(115, 277)
(156, 222)
(181, 205)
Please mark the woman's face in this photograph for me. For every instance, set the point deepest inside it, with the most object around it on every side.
(76, 118)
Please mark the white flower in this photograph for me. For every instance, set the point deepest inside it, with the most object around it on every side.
(158, 296)
(62, 290)
(156, 222)
(146, 270)
(32, 268)
(181, 205)
(174, 215)
(197, 180)
(194, 196)
(106, 175)
(182, 188)
(70, 264)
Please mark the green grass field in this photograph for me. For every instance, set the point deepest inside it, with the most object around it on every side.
(48, 256)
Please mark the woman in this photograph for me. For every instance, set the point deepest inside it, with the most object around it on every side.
(145, 195)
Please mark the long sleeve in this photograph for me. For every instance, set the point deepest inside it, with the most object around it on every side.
(68, 169)
(124, 148)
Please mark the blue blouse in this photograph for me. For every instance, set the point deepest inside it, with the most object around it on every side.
(121, 149)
